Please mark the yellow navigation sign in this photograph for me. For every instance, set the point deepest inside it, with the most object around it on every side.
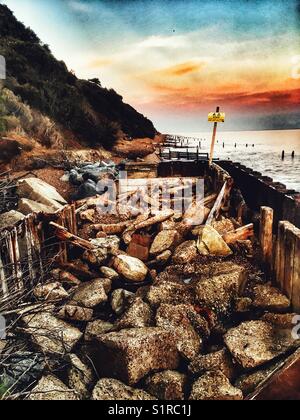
(216, 117)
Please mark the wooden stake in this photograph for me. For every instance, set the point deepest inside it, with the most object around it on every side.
(212, 148)
(240, 234)
(296, 273)
(266, 235)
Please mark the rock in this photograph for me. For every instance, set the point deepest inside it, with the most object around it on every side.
(50, 292)
(96, 256)
(165, 240)
(215, 386)
(270, 299)
(97, 328)
(111, 243)
(80, 377)
(129, 355)
(138, 315)
(109, 273)
(167, 225)
(210, 242)
(10, 219)
(113, 390)
(185, 253)
(169, 292)
(175, 319)
(76, 313)
(248, 383)
(164, 257)
(120, 299)
(50, 334)
(168, 385)
(284, 321)
(27, 206)
(130, 268)
(37, 190)
(139, 246)
(91, 294)
(220, 292)
(243, 305)
(51, 388)
(255, 343)
(220, 361)
(223, 226)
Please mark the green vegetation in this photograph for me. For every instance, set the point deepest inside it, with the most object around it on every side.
(94, 114)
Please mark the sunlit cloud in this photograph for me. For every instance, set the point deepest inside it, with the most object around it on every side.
(79, 6)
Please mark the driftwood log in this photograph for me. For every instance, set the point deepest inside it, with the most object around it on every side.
(240, 234)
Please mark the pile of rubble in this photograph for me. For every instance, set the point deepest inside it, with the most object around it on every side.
(150, 307)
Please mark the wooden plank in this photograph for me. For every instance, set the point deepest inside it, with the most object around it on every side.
(221, 200)
(266, 235)
(239, 234)
(65, 236)
(289, 260)
(296, 273)
(280, 255)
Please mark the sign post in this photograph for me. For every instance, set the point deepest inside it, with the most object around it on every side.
(215, 117)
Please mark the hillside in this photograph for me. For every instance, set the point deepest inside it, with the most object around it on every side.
(40, 88)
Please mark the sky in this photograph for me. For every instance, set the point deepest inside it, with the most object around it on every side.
(176, 60)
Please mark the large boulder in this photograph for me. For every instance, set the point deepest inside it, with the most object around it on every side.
(138, 315)
(37, 190)
(210, 242)
(215, 386)
(220, 292)
(51, 388)
(176, 320)
(171, 292)
(50, 292)
(270, 299)
(50, 334)
(132, 269)
(10, 219)
(129, 355)
(220, 360)
(96, 328)
(120, 300)
(113, 390)
(76, 313)
(91, 294)
(255, 343)
(168, 385)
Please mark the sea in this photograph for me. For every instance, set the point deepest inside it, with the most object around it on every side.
(259, 150)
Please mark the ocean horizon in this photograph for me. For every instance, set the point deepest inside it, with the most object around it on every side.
(259, 150)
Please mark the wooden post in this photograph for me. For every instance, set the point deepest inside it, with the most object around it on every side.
(212, 148)
(290, 258)
(296, 273)
(280, 255)
(266, 235)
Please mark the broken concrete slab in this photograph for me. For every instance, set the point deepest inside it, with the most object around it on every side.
(27, 206)
(255, 343)
(91, 294)
(76, 313)
(10, 219)
(215, 386)
(114, 390)
(185, 253)
(132, 269)
(50, 334)
(165, 240)
(51, 388)
(80, 377)
(176, 319)
(96, 328)
(129, 355)
(219, 293)
(51, 292)
(210, 242)
(169, 385)
(169, 292)
(220, 360)
(270, 299)
(138, 315)
(37, 190)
